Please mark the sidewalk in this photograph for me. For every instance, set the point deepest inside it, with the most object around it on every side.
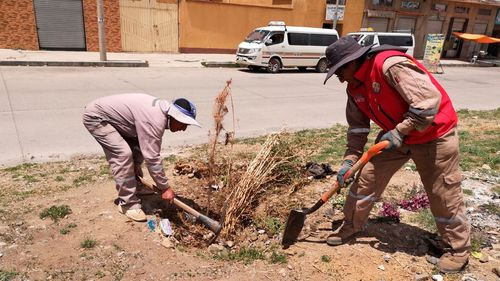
(72, 58)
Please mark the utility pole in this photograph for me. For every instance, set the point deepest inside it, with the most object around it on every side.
(102, 30)
(335, 14)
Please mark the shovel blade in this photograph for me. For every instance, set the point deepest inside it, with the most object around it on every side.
(293, 227)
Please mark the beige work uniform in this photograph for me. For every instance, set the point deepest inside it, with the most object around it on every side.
(129, 127)
(437, 161)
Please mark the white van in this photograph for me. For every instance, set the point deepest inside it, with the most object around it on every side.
(405, 40)
(277, 46)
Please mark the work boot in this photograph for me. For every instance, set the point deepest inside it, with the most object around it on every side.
(134, 214)
(345, 234)
(452, 262)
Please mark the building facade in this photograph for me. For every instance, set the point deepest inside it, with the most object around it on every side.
(424, 17)
(217, 26)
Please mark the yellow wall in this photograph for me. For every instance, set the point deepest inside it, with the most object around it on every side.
(220, 27)
(353, 16)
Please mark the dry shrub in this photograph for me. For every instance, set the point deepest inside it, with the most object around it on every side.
(272, 164)
(219, 111)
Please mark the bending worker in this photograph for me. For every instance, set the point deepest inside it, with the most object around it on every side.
(130, 127)
(418, 119)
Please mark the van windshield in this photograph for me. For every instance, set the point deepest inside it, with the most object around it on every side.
(256, 35)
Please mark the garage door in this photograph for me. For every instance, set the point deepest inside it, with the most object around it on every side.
(405, 24)
(60, 24)
(378, 24)
(434, 26)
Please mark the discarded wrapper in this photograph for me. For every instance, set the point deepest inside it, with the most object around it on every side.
(151, 225)
(166, 228)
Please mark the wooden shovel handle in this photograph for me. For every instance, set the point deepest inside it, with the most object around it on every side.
(372, 151)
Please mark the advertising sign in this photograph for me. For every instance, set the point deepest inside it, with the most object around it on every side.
(330, 11)
(433, 49)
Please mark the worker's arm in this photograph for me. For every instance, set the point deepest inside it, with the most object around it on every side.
(416, 88)
(150, 143)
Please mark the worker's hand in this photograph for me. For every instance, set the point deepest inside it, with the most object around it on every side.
(168, 194)
(395, 139)
(346, 165)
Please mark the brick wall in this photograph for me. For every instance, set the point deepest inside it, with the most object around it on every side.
(17, 25)
(112, 21)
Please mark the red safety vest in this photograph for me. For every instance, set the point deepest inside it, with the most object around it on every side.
(384, 105)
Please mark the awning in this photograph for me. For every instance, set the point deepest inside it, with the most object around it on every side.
(477, 38)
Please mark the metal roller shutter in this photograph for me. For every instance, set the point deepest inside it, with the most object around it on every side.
(60, 24)
(378, 24)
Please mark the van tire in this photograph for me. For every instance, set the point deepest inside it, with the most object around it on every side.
(274, 65)
(322, 66)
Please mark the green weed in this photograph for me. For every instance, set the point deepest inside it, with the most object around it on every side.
(278, 258)
(425, 219)
(476, 241)
(272, 225)
(30, 178)
(170, 159)
(56, 212)
(67, 229)
(99, 274)
(59, 178)
(82, 180)
(24, 167)
(468, 192)
(325, 258)
(88, 243)
(7, 275)
(492, 208)
(245, 255)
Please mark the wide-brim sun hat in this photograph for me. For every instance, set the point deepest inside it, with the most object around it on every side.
(182, 115)
(344, 50)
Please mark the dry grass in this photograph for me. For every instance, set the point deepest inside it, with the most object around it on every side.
(252, 183)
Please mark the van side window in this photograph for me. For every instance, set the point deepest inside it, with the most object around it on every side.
(277, 38)
(395, 40)
(367, 41)
(322, 39)
(298, 39)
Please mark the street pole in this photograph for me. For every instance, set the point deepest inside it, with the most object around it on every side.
(335, 14)
(102, 30)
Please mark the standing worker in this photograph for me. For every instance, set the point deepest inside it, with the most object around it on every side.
(418, 119)
(130, 127)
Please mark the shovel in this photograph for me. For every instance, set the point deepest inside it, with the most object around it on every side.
(296, 219)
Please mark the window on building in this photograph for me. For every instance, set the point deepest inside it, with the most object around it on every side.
(484, 12)
(382, 2)
(410, 5)
(322, 39)
(298, 39)
(277, 37)
(341, 2)
(440, 7)
(461, 9)
(395, 40)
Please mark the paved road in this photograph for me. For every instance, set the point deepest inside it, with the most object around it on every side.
(41, 107)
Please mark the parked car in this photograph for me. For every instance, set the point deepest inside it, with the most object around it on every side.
(277, 46)
(400, 39)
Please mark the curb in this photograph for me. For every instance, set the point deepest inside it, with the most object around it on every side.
(220, 64)
(77, 63)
